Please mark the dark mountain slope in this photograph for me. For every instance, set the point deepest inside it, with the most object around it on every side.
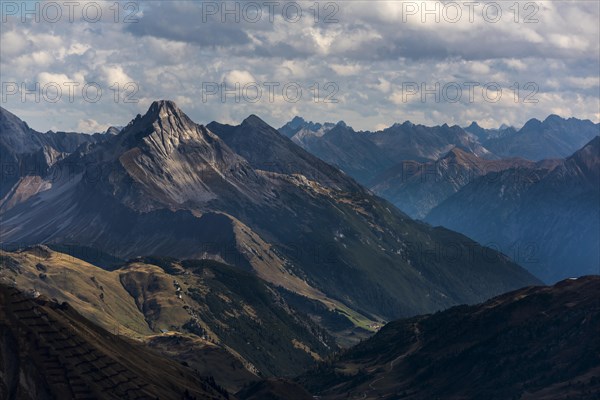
(534, 343)
(266, 149)
(274, 389)
(352, 152)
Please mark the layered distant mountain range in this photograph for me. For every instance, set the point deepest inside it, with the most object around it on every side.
(532, 193)
(367, 155)
(546, 215)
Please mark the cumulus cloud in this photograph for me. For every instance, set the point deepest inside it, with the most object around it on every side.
(91, 126)
(13, 44)
(112, 74)
(237, 77)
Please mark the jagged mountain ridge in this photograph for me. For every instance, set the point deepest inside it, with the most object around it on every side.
(364, 155)
(298, 124)
(487, 134)
(167, 186)
(555, 137)
(340, 145)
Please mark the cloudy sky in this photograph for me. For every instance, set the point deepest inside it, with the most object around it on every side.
(369, 63)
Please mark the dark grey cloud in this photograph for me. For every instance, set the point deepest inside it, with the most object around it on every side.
(186, 22)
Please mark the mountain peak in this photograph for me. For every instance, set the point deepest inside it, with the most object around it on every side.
(293, 126)
(532, 124)
(588, 154)
(166, 123)
(476, 130)
(297, 121)
(458, 154)
(405, 124)
(254, 120)
(553, 118)
(9, 122)
(113, 130)
(167, 112)
(161, 108)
